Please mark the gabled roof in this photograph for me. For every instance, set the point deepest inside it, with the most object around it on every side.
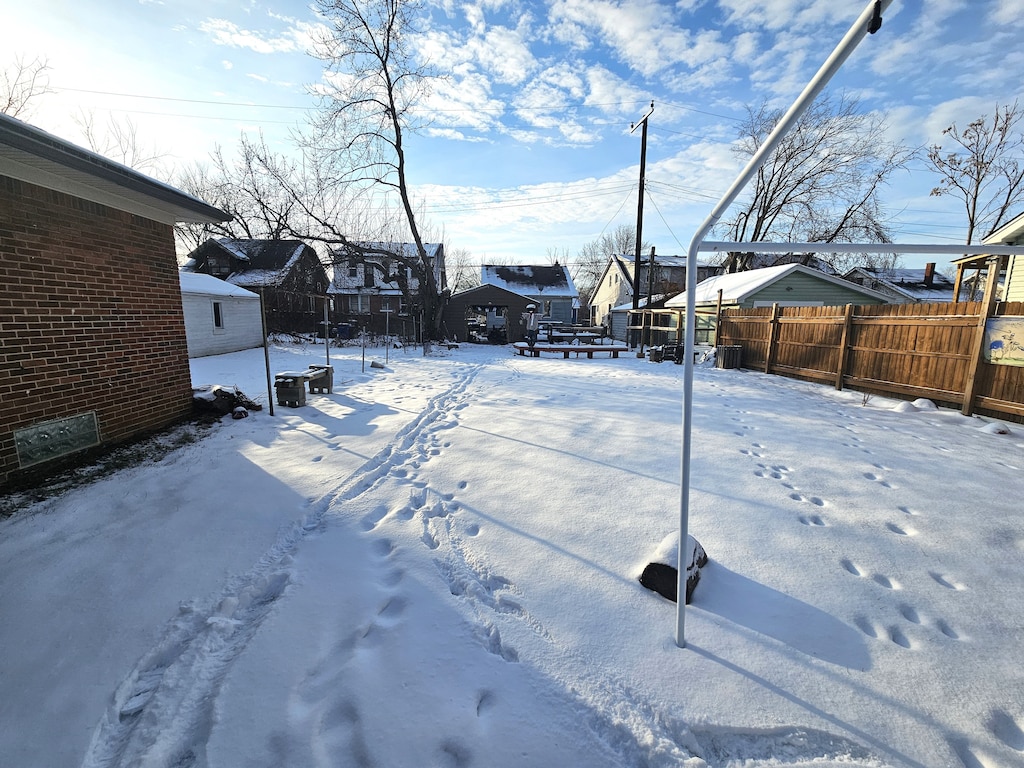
(737, 287)
(909, 283)
(208, 285)
(403, 250)
(34, 156)
(489, 289)
(1009, 233)
(341, 283)
(656, 301)
(258, 262)
(531, 280)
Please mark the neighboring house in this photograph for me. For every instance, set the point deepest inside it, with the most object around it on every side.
(615, 288)
(970, 283)
(549, 287)
(288, 274)
(905, 286)
(219, 317)
(486, 313)
(788, 285)
(94, 350)
(367, 289)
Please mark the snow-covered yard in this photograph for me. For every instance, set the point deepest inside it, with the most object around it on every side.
(437, 566)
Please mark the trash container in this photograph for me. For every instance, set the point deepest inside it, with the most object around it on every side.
(290, 389)
(728, 356)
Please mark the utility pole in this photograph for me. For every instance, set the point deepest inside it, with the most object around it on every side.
(639, 210)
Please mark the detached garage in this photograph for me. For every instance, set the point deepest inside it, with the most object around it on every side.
(219, 317)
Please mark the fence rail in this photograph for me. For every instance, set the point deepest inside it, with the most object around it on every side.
(908, 350)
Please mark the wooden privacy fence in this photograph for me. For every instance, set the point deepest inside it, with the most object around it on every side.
(935, 351)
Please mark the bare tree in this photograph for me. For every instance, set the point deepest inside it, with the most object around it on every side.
(21, 83)
(463, 273)
(984, 168)
(593, 257)
(822, 182)
(357, 140)
(118, 140)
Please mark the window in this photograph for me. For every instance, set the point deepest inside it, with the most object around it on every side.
(218, 316)
(358, 304)
(219, 266)
(353, 270)
(367, 276)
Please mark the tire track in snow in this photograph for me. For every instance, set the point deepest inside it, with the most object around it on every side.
(162, 712)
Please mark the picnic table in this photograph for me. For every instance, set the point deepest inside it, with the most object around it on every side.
(524, 349)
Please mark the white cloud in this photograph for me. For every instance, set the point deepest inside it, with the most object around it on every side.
(793, 15)
(960, 111)
(609, 92)
(1008, 12)
(746, 47)
(644, 34)
(464, 102)
(504, 53)
(224, 32)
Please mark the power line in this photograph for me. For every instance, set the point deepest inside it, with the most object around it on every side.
(502, 108)
(538, 200)
(184, 101)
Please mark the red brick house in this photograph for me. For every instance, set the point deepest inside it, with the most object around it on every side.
(92, 334)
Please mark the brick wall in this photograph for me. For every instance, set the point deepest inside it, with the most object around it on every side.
(90, 319)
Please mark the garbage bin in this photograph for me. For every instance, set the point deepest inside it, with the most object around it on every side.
(728, 356)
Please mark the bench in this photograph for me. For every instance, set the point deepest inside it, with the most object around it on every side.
(290, 386)
(588, 349)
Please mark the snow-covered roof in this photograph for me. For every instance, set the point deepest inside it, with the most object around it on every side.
(343, 283)
(736, 287)
(195, 282)
(269, 260)
(665, 262)
(909, 283)
(531, 280)
(641, 304)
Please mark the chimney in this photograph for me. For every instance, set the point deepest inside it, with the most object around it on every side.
(929, 274)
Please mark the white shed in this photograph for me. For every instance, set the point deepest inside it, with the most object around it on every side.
(219, 317)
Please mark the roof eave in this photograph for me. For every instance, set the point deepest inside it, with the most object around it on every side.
(34, 156)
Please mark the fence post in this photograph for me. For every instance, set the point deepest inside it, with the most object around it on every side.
(773, 335)
(844, 342)
(988, 304)
(718, 317)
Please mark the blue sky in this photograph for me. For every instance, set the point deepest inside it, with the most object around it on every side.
(528, 150)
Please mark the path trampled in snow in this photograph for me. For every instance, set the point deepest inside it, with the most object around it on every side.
(457, 584)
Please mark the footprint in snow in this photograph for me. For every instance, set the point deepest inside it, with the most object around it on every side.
(900, 531)
(885, 581)
(1007, 729)
(945, 581)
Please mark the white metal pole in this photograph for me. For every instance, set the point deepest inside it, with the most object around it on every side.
(858, 31)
